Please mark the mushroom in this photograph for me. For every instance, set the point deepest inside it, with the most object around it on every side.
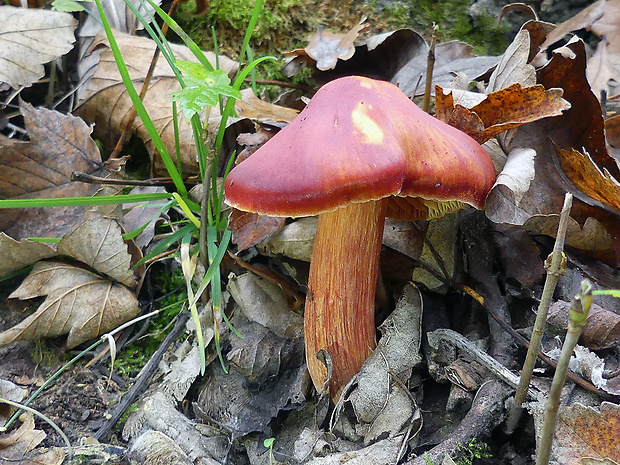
(358, 152)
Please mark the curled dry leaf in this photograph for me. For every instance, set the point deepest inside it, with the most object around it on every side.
(504, 109)
(326, 48)
(98, 242)
(78, 302)
(28, 39)
(19, 447)
(249, 229)
(375, 392)
(42, 167)
(19, 254)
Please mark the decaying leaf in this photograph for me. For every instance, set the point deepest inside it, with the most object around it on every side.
(78, 303)
(41, 168)
(375, 392)
(28, 39)
(504, 109)
(19, 446)
(12, 392)
(251, 228)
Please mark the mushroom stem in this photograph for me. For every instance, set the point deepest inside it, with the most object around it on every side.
(340, 306)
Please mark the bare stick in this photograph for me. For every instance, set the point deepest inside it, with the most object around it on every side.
(554, 270)
(426, 105)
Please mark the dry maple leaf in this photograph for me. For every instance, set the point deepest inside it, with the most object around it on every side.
(78, 302)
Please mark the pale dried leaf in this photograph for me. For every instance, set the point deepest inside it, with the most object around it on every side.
(265, 303)
(502, 205)
(513, 67)
(19, 254)
(326, 48)
(601, 73)
(78, 303)
(295, 240)
(28, 39)
(12, 392)
(587, 432)
(592, 236)
(98, 242)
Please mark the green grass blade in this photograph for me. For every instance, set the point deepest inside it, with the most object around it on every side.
(139, 105)
(77, 201)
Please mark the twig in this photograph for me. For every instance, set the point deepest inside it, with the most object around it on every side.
(439, 336)
(143, 378)
(579, 309)
(87, 178)
(426, 106)
(574, 377)
(555, 269)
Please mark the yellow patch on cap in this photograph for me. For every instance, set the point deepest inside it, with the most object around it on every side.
(370, 131)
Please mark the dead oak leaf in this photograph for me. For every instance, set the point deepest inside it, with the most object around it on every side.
(504, 109)
(78, 302)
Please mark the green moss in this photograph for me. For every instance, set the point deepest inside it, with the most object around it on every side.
(465, 455)
(451, 20)
(131, 359)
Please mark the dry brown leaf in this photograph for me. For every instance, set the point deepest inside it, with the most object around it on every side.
(249, 229)
(98, 242)
(28, 39)
(18, 447)
(557, 168)
(587, 432)
(78, 303)
(41, 168)
(256, 109)
(326, 48)
(104, 100)
(589, 178)
(583, 20)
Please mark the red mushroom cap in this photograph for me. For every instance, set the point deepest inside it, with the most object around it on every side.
(357, 140)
